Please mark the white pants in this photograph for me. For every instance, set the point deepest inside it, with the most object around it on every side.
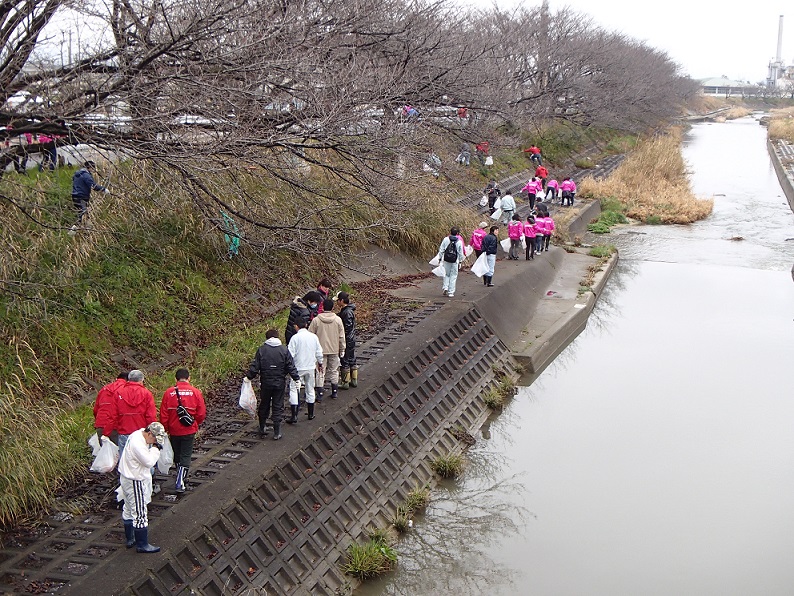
(137, 494)
(450, 277)
(307, 378)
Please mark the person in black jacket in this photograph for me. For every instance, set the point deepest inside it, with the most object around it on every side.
(301, 308)
(272, 363)
(490, 244)
(348, 362)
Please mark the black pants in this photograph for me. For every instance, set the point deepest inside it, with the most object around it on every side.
(349, 359)
(530, 247)
(81, 206)
(183, 449)
(271, 395)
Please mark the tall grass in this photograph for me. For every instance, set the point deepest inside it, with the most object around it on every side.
(781, 125)
(652, 182)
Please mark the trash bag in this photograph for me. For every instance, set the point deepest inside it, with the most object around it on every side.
(467, 250)
(439, 271)
(480, 266)
(523, 243)
(435, 261)
(489, 161)
(248, 398)
(93, 442)
(484, 201)
(505, 244)
(496, 214)
(107, 458)
(166, 457)
(498, 203)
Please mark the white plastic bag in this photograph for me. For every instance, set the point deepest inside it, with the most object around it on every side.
(505, 244)
(467, 250)
(496, 214)
(484, 201)
(107, 458)
(523, 243)
(439, 271)
(248, 398)
(435, 261)
(489, 161)
(480, 266)
(497, 203)
(166, 457)
(93, 442)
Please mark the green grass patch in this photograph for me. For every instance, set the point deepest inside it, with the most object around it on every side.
(611, 215)
(493, 399)
(447, 466)
(584, 163)
(370, 559)
(653, 220)
(602, 251)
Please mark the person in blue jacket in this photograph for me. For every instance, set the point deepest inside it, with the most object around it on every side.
(82, 185)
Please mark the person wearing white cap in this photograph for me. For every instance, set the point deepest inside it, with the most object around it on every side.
(140, 454)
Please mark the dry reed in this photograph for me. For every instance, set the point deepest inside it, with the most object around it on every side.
(652, 183)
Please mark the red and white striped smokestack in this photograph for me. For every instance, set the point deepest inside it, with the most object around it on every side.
(779, 56)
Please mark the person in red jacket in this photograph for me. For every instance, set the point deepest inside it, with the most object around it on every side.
(135, 407)
(542, 173)
(181, 434)
(105, 407)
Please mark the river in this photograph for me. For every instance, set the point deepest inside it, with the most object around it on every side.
(655, 455)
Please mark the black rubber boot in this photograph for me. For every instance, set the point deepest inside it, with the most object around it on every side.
(318, 394)
(311, 411)
(293, 419)
(277, 430)
(129, 533)
(334, 391)
(490, 281)
(142, 541)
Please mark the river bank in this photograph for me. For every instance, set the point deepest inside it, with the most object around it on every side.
(377, 427)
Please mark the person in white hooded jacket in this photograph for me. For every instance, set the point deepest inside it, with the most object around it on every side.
(304, 347)
(140, 454)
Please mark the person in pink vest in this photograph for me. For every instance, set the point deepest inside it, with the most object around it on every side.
(532, 188)
(540, 229)
(548, 231)
(552, 188)
(568, 188)
(529, 236)
(515, 230)
(476, 238)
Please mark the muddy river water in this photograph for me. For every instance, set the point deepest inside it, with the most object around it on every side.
(655, 455)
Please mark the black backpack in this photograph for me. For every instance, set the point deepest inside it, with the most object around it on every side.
(451, 251)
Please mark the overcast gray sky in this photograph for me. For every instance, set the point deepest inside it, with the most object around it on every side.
(707, 38)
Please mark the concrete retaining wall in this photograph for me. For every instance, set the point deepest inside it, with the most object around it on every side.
(779, 151)
(288, 531)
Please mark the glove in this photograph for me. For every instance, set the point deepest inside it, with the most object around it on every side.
(99, 433)
(107, 191)
(160, 447)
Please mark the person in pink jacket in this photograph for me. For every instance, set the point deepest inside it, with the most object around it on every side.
(552, 188)
(532, 188)
(540, 229)
(515, 230)
(568, 188)
(549, 230)
(529, 236)
(476, 238)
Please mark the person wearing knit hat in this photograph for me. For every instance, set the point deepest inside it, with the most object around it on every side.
(140, 454)
(477, 236)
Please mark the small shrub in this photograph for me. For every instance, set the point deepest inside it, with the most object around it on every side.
(447, 466)
(365, 561)
(417, 499)
(584, 163)
(379, 535)
(401, 520)
(506, 386)
(598, 228)
(602, 251)
(653, 220)
(577, 241)
(493, 399)
(612, 218)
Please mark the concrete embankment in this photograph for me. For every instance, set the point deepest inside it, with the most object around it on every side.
(277, 517)
(782, 154)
